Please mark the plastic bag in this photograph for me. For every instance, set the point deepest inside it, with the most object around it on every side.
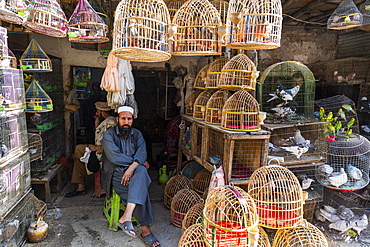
(217, 178)
(72, 104)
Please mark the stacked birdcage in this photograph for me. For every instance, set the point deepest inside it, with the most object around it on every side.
(345, 16)
(11, 90)
(365, 11)
(263, 240)
(200, 79)
(201, 181)
(34, 59)
(214, 72)
(37, 100)
(191, 169)
(193, 215)
(174, 185)
(239, 73)
(12, 11)
(181, 203)
(12, 59)
(86, 26)
(173, 7)
(253, 25)
(189, 102)
(34, 146)
(3, 45)
(46, 17)
(200, 103)
(214, 106)
(193, 237)
(195, 29)
(140, 31)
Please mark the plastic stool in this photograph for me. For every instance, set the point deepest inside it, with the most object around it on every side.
(112, 209)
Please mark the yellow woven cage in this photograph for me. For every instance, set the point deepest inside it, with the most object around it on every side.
(12, 11)
(230, 218)
(304, 235)
(175, 184)
(34, 146)
(140, 31)
(222, 7)
(201, 181)
(200, 80)
(196, 24)
(278, 196)
(200, 103)
(263, 240)
(37, 100)
(214, 72)
(254, 25)
(192, 237)
(239, 73)
(173, 7)
(189, 102)
(214, 106)
(193, 215)
(181, 203)
(241, 113)
(34, 59)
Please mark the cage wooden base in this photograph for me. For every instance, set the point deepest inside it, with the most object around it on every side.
(45, 29)
(10, 16)
(36, 65)
(88, 33)
(253, 45)
(141, 54)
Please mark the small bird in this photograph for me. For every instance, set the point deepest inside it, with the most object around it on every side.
(298, 138)
(359, 223)
(287, 95)
(339, 78)
(325, 169)
(298, 150)
(350, 77)
(328, 216)
(3, 149)
(319, 216)
(354, 172)
(330, 209)
(338, 178)
(283, 111)
(350, 123)
(342, 114)
(306, 182)
(345, 213)
(364, 104)
(349, 108)
(341, 225)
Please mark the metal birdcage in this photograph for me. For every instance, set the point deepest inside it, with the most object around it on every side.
(214, 72)
(173, 7)
(99, 10)
(254, 25)
(239, 73)
(86, 26)
(140, 31)
(37, 100)
(200, 103)
(201, 181)
(12, 59)
(345, 16)
(189, 103)
(181, 203)
(214, 106)
(200, 80)
(174, 185)
(194, 214)
(195, 29)
(193, 237)
(34, 59)
(12, 10)
(46, 17)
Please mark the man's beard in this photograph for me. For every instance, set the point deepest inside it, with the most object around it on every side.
(125, 130)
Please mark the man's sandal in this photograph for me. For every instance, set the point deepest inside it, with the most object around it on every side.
(128, 228)
(149, 240)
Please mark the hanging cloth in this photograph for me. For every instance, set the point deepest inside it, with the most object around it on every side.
(110, 81)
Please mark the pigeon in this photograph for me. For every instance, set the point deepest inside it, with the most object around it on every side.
(338, 178)
(330, 217)
(298, 138)
(3, 149)
(339, 78)
(359, 223)
(345, 213)
(306, 182)
(286, 95)
(296, 150)
(319, 216)
(365, 128)
(283, 111)
(341, 225)
(354, 172)
(330, 209)
(325, 169)
(364, 104)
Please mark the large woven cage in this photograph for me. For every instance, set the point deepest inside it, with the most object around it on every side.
(34, 59)
(181, 203)
(239, 73)
(230, 217)
(278, 196)
(174, 185)
(196, 34)
(194, 214)
(193, 237)
(214, 106)
(35, 146)
(222, 7)
(241, 113)
(140, 31)
(189, 102)
(263, 240)
(201, 181)
(191, 169)
(200, 103)
(173, 7)
(12, 11)
(200, 80)
(46, 17)
(345, 16)
(254, 25)
(37, 100)
(214, 72)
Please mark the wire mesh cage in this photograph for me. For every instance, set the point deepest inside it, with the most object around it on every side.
(193, 237)
(345, 16)
(278, 196)
(200, 103)
(214, 106)
(37, 100)
(201, 181)
(230, 217)
(11, 90)
(181, 203)
(174, 185)
(185, 138)
(140, 31)
(254, 25)
(3, 45)
(189, 102)
(200, 80)
(214, 72)
(34, 146)
(193, 215)
(287, 93)
(34, 59)
(239, 73)
(12, 11)
(365, 11)
(86, 26)
(195, 29)
(173, 7)
(46, 17)
(241, 113)
(215, 147)
(99, 10)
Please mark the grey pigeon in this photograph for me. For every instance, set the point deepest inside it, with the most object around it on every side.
(345, 213)
(298, 138)
(330, 217)
(354, 172)
(341, 225)
(359, 223)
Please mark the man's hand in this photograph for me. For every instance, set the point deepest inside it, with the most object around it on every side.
(93, 147)
(146, 164)
(129, 173)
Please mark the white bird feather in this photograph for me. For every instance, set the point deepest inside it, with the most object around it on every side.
(354, 172)
(359, 223)
(330, 217)
(306, 182)
(345, 213)
(325, 169)
(330, 209)
(341, 225)
(338, 178)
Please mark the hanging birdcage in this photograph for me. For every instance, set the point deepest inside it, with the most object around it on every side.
(278, 196)
(34, 59)
(193, 237)
(214, 72)
(12, 10)
(365, 11)
(214, 106)
(200, 103)
(241, 113)
(173, 7)
(37, 100)
(189, 103)
(195, 29)
(239, 73)
(99, 10)
(174, 185)
(201, 181)
(263, 240)
(181, 203)
(230, 218)
(193, 215)
(4, 47)
(222, 7)
(345, 16)
(46, 17)
(200, 80)
(140, 31)
(86, 26)
(254, 25)
(12, 59)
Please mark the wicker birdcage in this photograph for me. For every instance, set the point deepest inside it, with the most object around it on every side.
(12, 10)
(222, 7)
(173, 7)
(241, 113)
(278, 196)
(200, 80)
(193, 237)
(46, 17)
(214, 72)
(37, 100)
(194, 214)
(191, 169)
(214, 106)
(189, 103)
(263, 240)
(12, 59)
(140, 31)
(239, 73)
(304, 235)
(181, 203)
(254, 25)
(201, 181)
(195, 29)
(174, 185)
(345, 16)
(230, 218)
(34, 59)
(34, 146)
(288, 92)
(86, 26)
(200, 103)
(99, 10)
(365, 11)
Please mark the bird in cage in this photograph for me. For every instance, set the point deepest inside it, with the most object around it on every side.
(3, 149)
(342, 114)
(283, 112)
(338, 178)
(340, 225)
(325, 169)
(354, 172)
(298, 138)
(330, 209)
(306, 182)
(286, 95)
(262, 30)
(364, 104)
(298, 150)
(349, 108)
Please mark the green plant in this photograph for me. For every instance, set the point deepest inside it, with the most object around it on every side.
(335, 127)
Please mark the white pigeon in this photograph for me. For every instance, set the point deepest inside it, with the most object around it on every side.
(341, 225)
(359, 223)
(338, 178)
(345, 213)
(354, 172)
(319, 216)
(325, 169)
(298, 150)
(306, 182)
(330, 209)
(330, 217)
(298, 138)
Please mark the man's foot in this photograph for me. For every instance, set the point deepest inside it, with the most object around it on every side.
(128, 228)
(75, 193)
(98, 193)
(150, 240)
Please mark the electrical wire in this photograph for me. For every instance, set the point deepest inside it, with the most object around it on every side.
(309, 22)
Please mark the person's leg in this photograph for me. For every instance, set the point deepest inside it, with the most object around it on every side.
(79, 170)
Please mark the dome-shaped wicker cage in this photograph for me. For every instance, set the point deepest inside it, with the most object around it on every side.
(173, 7)
(200, 80)
(254, 25)
(34, 59)
(200, 103)
(191, 169)
(239, 73)
(189, 102)
(278, 196)
(181, 203)
(304, 235)
(222, 7)
(35, 146)
(12, 59)
(263, 240)
(12, 10)
(196, 35)
(295, 78)
(193, 215)
(37, 100)
(174, 185)
(365, 11)
(229, 217)
(241, 113)
(349, 159)
(99, 10)
(193, 237)
(201, 181)
(46, 17)
(345, 16)
(140, 31)
(86, 26)
(214, 106)
(214, 72)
